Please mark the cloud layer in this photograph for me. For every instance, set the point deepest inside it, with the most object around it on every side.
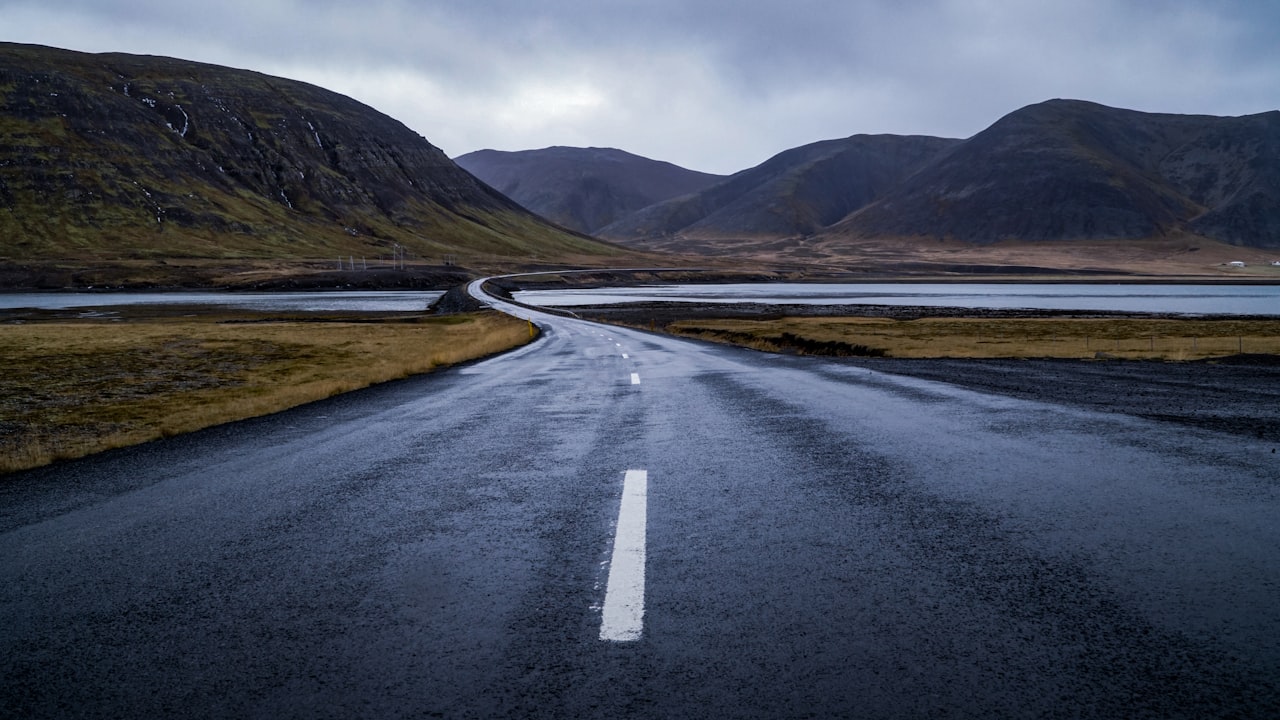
(713, 85)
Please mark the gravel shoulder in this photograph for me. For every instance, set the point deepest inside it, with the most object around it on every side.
(1238, 395)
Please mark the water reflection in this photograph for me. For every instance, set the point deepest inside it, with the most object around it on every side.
(1187, 299)
(354, 300)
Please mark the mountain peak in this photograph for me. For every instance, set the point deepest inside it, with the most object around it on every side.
(1070, 169)
(796, 192)
(582, 188)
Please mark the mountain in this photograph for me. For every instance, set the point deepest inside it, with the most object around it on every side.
(583, 189)
(796, 192)
(1073, 170)
(1062, 170)
(124, 157)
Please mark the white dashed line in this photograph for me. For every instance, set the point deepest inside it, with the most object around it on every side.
(635, 378)
(622, 619)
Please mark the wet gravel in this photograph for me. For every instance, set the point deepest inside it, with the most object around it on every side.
(1238, 395)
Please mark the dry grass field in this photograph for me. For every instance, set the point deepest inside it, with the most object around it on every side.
(69, 388)
(1131, 338)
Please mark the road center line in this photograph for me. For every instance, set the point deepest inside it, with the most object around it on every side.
(635, 378)
(622, 619)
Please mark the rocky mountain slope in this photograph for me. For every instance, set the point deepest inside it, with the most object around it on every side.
(582, 189)
(1068, 170)
(118, 156)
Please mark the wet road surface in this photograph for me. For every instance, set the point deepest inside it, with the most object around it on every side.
(812, 539)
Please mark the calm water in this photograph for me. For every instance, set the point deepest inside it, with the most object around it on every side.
(354, 300)
(1188, 299)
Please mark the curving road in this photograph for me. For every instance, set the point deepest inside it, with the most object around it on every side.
(609, 523)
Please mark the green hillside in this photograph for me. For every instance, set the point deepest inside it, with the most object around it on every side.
(129, 158)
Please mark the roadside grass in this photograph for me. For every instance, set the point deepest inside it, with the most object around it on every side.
(1130, 338)
(69, 388)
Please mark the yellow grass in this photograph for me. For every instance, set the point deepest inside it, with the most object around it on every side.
(1010, 338)
(69, 389)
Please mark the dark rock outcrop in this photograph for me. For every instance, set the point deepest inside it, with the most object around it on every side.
(456, 300)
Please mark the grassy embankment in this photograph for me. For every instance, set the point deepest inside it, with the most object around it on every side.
(1130, 338)
(70, 388)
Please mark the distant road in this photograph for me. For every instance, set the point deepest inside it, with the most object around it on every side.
(609, 523)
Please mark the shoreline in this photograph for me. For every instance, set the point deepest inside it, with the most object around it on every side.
(177, 276)
(675, 311)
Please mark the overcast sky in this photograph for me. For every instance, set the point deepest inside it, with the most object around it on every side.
(712, 85)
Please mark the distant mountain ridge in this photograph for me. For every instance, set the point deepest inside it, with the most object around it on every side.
(1057, 170)
(126, 156)
(583, 189)
(117, 157)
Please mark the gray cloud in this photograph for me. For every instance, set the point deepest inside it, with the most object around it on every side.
(716, 85)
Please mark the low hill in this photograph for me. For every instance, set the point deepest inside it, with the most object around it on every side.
(1072, 170)
(796, 192)
(120, 157)
(583, 189)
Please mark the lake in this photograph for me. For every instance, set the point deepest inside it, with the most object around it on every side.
(1185, 299)
(343, 300)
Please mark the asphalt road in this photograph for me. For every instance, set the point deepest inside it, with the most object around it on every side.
(814, 539)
